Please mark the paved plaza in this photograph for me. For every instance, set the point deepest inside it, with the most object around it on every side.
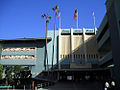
(81, 85)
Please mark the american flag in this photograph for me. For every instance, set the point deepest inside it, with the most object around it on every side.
(75, 15)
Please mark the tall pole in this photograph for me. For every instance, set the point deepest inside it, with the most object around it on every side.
(59, 65)
(95, 29)
(59, 20)
(94, 20)
(77, 19)
(46, 48)
(54, 39)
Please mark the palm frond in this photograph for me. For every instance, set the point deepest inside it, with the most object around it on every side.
(47, 21)
(56, 7)
(50, 17)
(44, 15)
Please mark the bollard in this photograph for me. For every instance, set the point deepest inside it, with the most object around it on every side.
(13, 87)
(8, 87)
(24, 87)
(36, 88)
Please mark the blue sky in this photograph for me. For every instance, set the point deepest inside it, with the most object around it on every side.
(22, 18)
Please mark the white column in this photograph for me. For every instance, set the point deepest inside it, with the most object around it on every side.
(72, 45)
(59, 46)
(84, 44)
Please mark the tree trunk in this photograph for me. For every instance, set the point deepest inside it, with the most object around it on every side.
(47, 52)
(54, 40)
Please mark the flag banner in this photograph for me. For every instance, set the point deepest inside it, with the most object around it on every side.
(75, 15)
(59, 15)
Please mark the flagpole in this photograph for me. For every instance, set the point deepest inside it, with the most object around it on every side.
(77, 19)
(60, 21)
(95, 29)
(94, 20)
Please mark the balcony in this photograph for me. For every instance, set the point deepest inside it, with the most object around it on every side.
(77, 31)
(89, 31)
(102, 26)
(103, 39)
(18, 62)
(19, 53)
(65, 31)
(106, 58)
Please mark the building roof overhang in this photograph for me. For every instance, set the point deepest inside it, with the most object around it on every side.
(26, 39)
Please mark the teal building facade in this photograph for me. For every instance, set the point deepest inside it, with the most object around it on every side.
(30, 52)
(25, 52)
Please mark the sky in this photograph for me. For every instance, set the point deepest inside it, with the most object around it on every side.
(22, 18)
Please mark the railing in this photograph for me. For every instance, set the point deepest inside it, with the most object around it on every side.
(101, 27)
(77, 31)
(106, 58)
(65, 31)
(104, 38)
(68, 31)
(18, 62)
(90, 31)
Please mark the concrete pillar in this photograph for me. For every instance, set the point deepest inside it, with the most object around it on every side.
(59, 46)
(84, 43)
(72, 44)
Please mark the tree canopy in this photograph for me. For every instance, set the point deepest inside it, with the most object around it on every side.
(1, 71)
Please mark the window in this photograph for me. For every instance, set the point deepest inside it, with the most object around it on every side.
(79, 56)
(74, 55)
(17, 49)
(60, 56)
(63, 56)
(68, 56)
(18, 57)
(94, 56)
(83, 55)
(91, 56)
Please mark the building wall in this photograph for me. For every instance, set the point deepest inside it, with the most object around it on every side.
(108, 38)
(36, 65)
(50, 48)
(73, 46)
(114, 18)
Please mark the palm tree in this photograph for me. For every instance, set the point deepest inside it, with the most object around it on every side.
(56, 9)
(0, 50)
(47, 21)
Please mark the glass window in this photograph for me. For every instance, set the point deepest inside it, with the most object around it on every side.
(60, 56)
(81, 56)
(68, 56)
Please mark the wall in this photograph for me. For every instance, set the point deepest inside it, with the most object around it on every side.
(36, 65)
